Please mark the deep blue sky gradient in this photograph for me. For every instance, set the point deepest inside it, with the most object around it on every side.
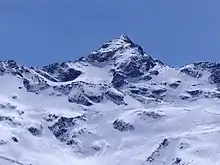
(178, 32)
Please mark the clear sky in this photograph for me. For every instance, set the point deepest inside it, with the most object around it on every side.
(177, 32)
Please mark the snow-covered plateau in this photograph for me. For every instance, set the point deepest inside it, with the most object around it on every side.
(116, 106)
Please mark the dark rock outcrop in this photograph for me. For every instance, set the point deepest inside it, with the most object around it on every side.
(191, 72)
(63, 129)
(137, 66)
(150, 114)
(132, 68)
(60, 72)
(101, 56)
(159, 92)
(175, 84)
(195, 93)
(197, 68)
(122, 126)
(118, 80)
(115, 97)
(35, 131)
(64, 89)
(154, 72)
(146, 78)
(156, 153)
(80, 99)
(214, 78)
(15, 139)
(9, 120)
(95, 98)
(50, 117)
(184, 97)
(177, 161)
(139, 91)
(35, 86)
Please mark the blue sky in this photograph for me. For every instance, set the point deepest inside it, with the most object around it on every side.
(45, 31)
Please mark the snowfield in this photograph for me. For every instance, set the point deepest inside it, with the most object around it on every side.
(116, 106)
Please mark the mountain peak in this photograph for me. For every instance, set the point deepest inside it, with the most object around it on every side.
(125, 38)
(122, 46)
(120, 42)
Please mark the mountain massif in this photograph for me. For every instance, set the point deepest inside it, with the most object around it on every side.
(116, 106)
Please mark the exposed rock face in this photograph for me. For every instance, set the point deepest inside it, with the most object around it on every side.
(154, 72)
(61, 127)
(144, 115)
(69, 130)
(196, 69)
(64, 89)
(80, 99)
(137, 66)
(101, 56)
(115, 97)
(140, 91)
(157, 156)
(11, 66)
(9, 120)
(215, 76)
(195, 93)
(175, 84)
(35, 87)
(156, 153)
(61, 72)
(106, 52)
(15, 139)
(118, 80)
(122, 126)
(184, 97)
(159, 91)
(35, 131)
(191, 72)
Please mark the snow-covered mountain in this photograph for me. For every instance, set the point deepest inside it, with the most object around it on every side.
(116, 106)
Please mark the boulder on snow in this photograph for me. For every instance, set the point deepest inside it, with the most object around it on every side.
(15, 139)
(159, 92)
(122, 126)
(195, 93)
(35, 131)
(175, 84)
(150, 114)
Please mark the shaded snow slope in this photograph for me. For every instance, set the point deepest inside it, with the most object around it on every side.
(116, 106)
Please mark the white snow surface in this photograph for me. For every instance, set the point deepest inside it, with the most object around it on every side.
(190, 128)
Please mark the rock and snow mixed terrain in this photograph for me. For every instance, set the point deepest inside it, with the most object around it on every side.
(116, 106)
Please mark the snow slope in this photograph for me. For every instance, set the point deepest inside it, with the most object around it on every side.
(116, 106)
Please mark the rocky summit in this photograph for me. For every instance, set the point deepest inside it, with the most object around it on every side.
(116, 106)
